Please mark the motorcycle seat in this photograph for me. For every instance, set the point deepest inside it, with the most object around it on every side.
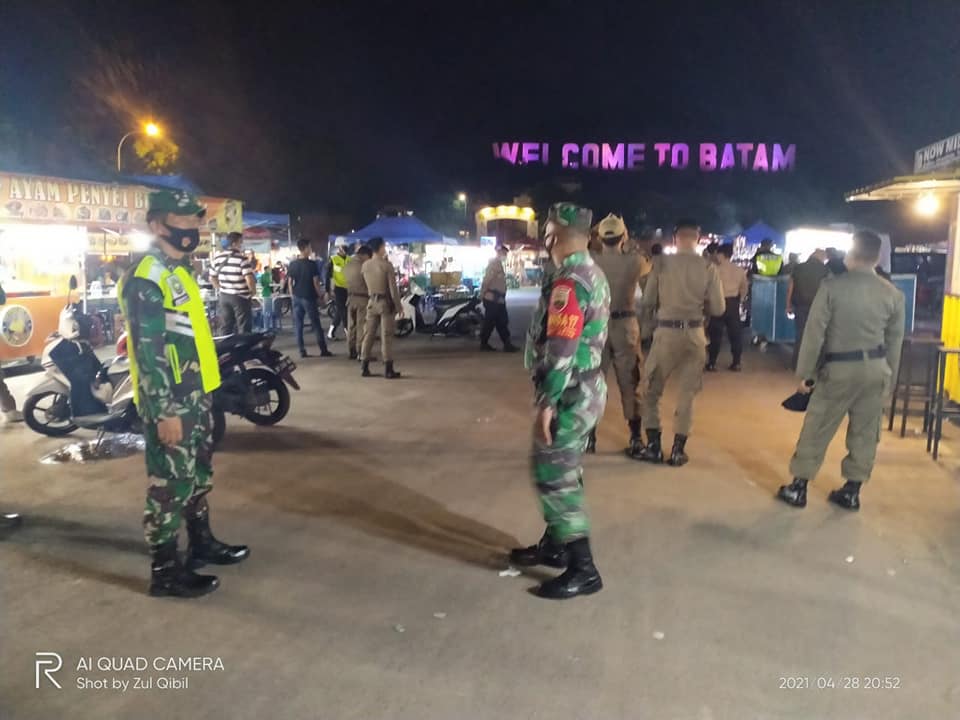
(234, 342)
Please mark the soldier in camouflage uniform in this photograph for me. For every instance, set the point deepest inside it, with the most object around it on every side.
(174, 369)
(564, 350)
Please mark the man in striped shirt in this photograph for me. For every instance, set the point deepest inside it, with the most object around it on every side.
(232, 275)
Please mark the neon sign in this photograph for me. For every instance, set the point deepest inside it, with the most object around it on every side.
(709, 157)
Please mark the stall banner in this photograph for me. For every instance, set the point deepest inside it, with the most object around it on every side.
(940, 155)
(108, 244)
(223, 216)
(25, 323)
(47, 199)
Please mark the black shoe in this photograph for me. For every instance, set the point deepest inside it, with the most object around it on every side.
(365, 369)
(652, 452)
(678, 457)
(486, 347)
(510, 348)
(545, 552)
(847, 497)
(326, 353)
(636, 443)
(303, 354)
(353, 355)
(204, 548)
(591, 442)
(580, 578)
(168, 578)
(735, 367)
(710, 367)
(795, 493)
(389, 373)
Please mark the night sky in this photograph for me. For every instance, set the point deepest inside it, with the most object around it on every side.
(347, 107)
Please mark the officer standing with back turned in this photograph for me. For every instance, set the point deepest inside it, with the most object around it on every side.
(174, 369)
(856, 323)
(679, 290)
(622, 349)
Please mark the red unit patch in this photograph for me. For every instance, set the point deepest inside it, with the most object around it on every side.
(565, 318)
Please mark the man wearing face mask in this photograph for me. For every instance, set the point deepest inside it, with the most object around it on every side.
(563, 352)
(174, 369)
(622, 349)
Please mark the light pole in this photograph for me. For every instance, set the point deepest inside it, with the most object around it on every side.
(462, 199)
(150, 128)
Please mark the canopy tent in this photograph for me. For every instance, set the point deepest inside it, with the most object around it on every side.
(396, 230)
(760, 231)
(170, 182)
(258, 219)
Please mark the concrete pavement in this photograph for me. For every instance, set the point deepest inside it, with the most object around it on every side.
(378, 514)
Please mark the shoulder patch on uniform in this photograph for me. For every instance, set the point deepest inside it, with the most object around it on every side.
(565, 316)
(177, 291)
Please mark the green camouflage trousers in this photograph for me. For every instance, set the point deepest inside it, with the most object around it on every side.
(179, 475)
(557, 468)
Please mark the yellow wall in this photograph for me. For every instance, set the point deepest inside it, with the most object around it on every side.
(950, 334)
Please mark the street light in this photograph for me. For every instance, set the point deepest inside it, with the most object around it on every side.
(462, 199)
(927, 205)
(150, 129)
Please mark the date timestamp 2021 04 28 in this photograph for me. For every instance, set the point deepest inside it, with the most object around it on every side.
(840, 682)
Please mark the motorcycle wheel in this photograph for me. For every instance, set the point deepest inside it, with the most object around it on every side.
(404, 327)
(36, 413)
(219, 426)
(279, 404)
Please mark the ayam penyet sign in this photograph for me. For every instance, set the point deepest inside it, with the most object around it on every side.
(707, 157)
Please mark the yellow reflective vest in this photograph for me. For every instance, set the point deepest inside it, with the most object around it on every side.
(337, 263)
(186, 317)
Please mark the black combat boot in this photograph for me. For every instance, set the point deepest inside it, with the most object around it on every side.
(580, 578)
(847, 497)
(365, 368)
(204, 547)
(591, 446)
(710, 367)
(168, 578)
(353, 355)
(795, 493)
(389, 373)
(651, 452)
(678, 457)
(545, 552)
(636, 443)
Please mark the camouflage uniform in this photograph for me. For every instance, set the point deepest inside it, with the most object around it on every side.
(181, 475)
(564, 350)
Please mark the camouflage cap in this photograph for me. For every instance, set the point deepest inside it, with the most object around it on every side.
(175, 202)
(572, 216)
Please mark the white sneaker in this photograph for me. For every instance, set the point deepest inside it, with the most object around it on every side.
(13, 416)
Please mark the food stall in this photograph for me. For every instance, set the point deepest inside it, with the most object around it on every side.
(53, 228)
(934, 190)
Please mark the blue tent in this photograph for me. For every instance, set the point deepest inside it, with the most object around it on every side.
(259, 219)
(395, 230)
(171, 182)
(759, 232)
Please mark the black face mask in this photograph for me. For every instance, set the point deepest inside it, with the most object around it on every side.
(183, 240)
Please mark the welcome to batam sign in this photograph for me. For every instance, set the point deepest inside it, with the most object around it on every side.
(708, 157)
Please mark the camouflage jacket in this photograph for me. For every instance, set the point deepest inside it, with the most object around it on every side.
(569, 328)
(160, 395)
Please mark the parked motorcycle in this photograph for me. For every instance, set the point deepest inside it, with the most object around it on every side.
(412, 303)
(254, 379)
(462, 318)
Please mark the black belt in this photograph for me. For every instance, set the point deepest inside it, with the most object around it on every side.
(854, 355)
(680, 324)
(618, 315)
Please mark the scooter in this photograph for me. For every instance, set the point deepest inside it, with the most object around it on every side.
(463, 318)
(77, 390)
(254, 379)
(412, 303)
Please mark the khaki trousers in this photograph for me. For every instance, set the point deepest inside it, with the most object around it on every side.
(675, 352)
(381, 317)
(623, 352)
(356, 321)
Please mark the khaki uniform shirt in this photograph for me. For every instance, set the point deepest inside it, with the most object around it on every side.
(858, 310)
(353, 271)
(682, 287)
(494, 286)
(623, 275)
(381, 279)
(733, 279)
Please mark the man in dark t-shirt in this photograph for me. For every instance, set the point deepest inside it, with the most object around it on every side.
(306, 289)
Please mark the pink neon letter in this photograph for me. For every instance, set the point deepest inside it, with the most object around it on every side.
(635, 153)
(612, 159)
(680, 156)
(662, 150)
(565, 151)
(783, 160)
(744, 150)
(591, 156)
(708, 157)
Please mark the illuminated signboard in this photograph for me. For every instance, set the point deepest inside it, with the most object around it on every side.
(708, 157)
(941, 155)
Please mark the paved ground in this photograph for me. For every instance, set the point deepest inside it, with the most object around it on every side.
(378, 515)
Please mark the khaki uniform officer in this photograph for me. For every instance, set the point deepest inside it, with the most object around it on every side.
(680, 289)
(357, 299)
(856, 326)
(622, 349)
(382, 308)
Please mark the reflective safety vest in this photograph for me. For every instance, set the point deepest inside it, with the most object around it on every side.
(186, 315)
(337, 263)
(769, 264)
